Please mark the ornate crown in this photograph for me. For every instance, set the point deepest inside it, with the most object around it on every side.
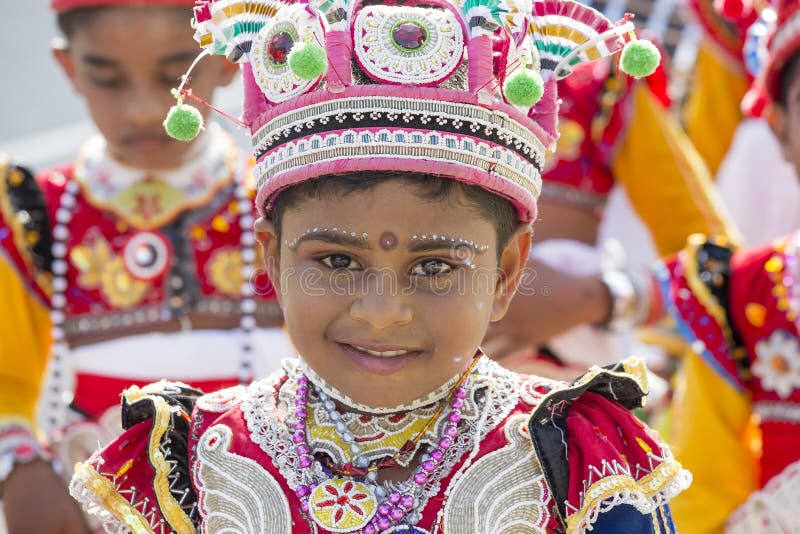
(462, 90)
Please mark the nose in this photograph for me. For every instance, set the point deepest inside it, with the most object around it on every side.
(381, 303)
(145, 107)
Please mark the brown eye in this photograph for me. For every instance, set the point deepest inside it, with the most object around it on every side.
(339, 261)
(431, 267)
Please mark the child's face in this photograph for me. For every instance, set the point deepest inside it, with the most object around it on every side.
(380, 312)
(785, 121)
(124, 61)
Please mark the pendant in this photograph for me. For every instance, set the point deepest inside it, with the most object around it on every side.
(342, 505)
(147, 255)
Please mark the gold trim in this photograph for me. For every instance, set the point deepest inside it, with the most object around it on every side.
(111, 500)
(699, 288)
(170, 508)
(609, 487)
(18, 232)
(168, 214)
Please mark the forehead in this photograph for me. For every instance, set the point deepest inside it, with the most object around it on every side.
(131, 32)
(391, 205)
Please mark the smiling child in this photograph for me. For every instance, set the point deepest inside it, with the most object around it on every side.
(397, 183)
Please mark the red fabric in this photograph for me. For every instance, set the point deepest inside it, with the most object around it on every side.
(90, 223)
(587, 167)
(601, 433)
(94, 394)
(65, 5)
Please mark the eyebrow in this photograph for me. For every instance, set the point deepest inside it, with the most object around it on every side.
(184, 55)
(430, 246)
(99, 61)
(328, 236)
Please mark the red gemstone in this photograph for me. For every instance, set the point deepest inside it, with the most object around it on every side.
(410, 36)
(279, 47)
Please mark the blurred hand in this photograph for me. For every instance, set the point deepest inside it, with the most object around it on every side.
(548, 303)
(36, 501)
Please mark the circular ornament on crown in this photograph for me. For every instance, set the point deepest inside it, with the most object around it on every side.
(146, 255)
(408, 45)
(270, 53)
(342, 505)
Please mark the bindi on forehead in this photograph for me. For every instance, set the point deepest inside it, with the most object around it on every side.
(388, 240)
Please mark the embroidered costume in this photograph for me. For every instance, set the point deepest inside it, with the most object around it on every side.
(507, 468)
(460, 91)
(740, 393)
(135, 276)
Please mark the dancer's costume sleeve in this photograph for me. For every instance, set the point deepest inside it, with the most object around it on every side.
(25, 325)
(604, 466)
(715, 433)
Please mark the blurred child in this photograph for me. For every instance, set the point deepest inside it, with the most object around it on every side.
(141, 263)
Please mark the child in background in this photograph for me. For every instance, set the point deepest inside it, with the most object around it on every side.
(397, 183)
(140, 259)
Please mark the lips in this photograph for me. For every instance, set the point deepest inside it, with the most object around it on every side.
(379, 360)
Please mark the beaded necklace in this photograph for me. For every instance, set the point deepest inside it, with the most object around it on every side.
(58, 395)
(784, 271)
(344, 504)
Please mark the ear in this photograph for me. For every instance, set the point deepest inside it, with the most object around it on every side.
(778, 120)
(513, 261)
(265, 233)
(61, 53)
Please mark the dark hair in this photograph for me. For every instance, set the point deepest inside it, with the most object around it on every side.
(491, 207)
(788, 74)
(68, 21)
(71, 20)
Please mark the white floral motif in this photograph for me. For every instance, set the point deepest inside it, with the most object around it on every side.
(436, 59)
(278, 82)
(778, 363)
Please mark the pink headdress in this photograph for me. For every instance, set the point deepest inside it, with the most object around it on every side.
(464, 90)
(783, 44)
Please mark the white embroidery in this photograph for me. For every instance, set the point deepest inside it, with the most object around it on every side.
(777, 363)
(504, 492)
(771, 510)
(235, 493)
(492, 388)
(277, 81)
(221, 401)
(385, 60)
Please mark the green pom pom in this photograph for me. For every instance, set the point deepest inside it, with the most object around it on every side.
(639, 58)
(183, 122)
(525, 88)
(308, 61)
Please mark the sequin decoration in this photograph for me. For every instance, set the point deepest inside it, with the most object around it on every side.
(342, 505)
(271, 48)
(147, 255)
(411, 46)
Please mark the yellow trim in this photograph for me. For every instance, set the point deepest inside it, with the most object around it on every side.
(18, 231)
(609, 487)
(170, 508)
(700, 289)
(168, 214)
(111, 500)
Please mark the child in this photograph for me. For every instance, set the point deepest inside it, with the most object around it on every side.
(396, 186)
(136, 258)
(740, 385)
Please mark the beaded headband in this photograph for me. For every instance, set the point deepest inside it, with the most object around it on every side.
(460, 90)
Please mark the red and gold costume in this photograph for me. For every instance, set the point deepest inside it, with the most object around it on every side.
(740, 388)
(531, 456)
(119, 276)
